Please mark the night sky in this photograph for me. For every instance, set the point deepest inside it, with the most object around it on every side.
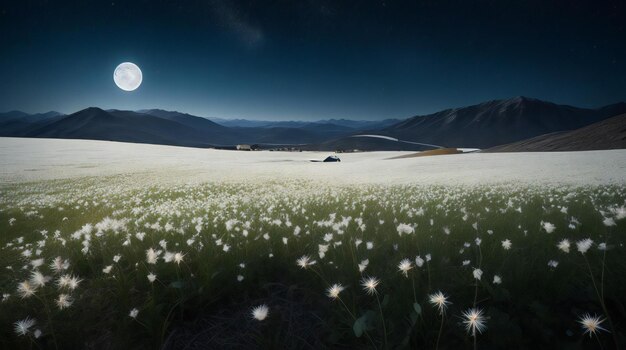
(315, 59)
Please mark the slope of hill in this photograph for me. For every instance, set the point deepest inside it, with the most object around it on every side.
(97, 124)
(288, 133)
(498, 122)
(160, 127)
(247, 123)
(361, 124)
(347, 123)
(211, 131)
(16, 123)
(19, 115)
(607, 134)
(185, 119)
(367, 143)
(484, 125)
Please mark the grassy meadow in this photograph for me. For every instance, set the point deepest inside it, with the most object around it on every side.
(124, 262)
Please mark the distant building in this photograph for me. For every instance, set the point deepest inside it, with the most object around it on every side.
(244, 148)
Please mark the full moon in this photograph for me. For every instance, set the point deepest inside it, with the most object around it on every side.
(127, 76)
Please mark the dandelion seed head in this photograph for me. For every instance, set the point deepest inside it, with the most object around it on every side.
(22, 327)
(37, 279)
(26, 289)
(151, 277)
(37, 263)
(58, 264)
(369, 285)
(548, 227)
(591, 324)
(363, 265)
(404, 266)
(564, 245)
(405, 229)
(260, 312)
(68, 281)
(63, 301)
(584, 245)
(440, 301)
(305, 261)
(506, 244)
(609, 222)
(151, 256)
(178, 257)
(334, 290)
(474, 321)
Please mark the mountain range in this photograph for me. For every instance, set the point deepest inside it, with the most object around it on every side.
(348, 123)
(484, 125)
(498, 122)
(606, 134)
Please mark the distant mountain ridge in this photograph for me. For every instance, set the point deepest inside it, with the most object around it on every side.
(352, 124)
(96, 124)
(159, 127)
(498, 122)
(19, 114)
(606, 134)
(16, 123)
(484, 125)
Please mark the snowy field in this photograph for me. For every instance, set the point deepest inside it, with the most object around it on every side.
(107, 245)
(24, 159)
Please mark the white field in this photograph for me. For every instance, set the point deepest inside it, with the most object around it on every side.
(23, 159)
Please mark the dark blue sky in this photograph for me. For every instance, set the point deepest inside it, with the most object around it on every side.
(310, 59)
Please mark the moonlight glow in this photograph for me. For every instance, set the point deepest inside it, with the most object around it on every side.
(127, 76)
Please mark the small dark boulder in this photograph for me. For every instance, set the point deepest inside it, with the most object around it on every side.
(332, 159)
(329, 159)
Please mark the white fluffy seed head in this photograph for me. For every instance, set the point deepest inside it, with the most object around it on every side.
(369, 285)
(334, 290)
(22, 327)
(440, 301)
(404, 266)
(591, 324)
(584, 245)
(474, 321)
(260, 312)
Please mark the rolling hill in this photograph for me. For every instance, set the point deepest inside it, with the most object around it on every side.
(484, 125)
(347, 123)
(160, 127)
(367, 143)
(497, 122)
(607, 134)
(97, 124)
(16, 123)
(276, 133)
